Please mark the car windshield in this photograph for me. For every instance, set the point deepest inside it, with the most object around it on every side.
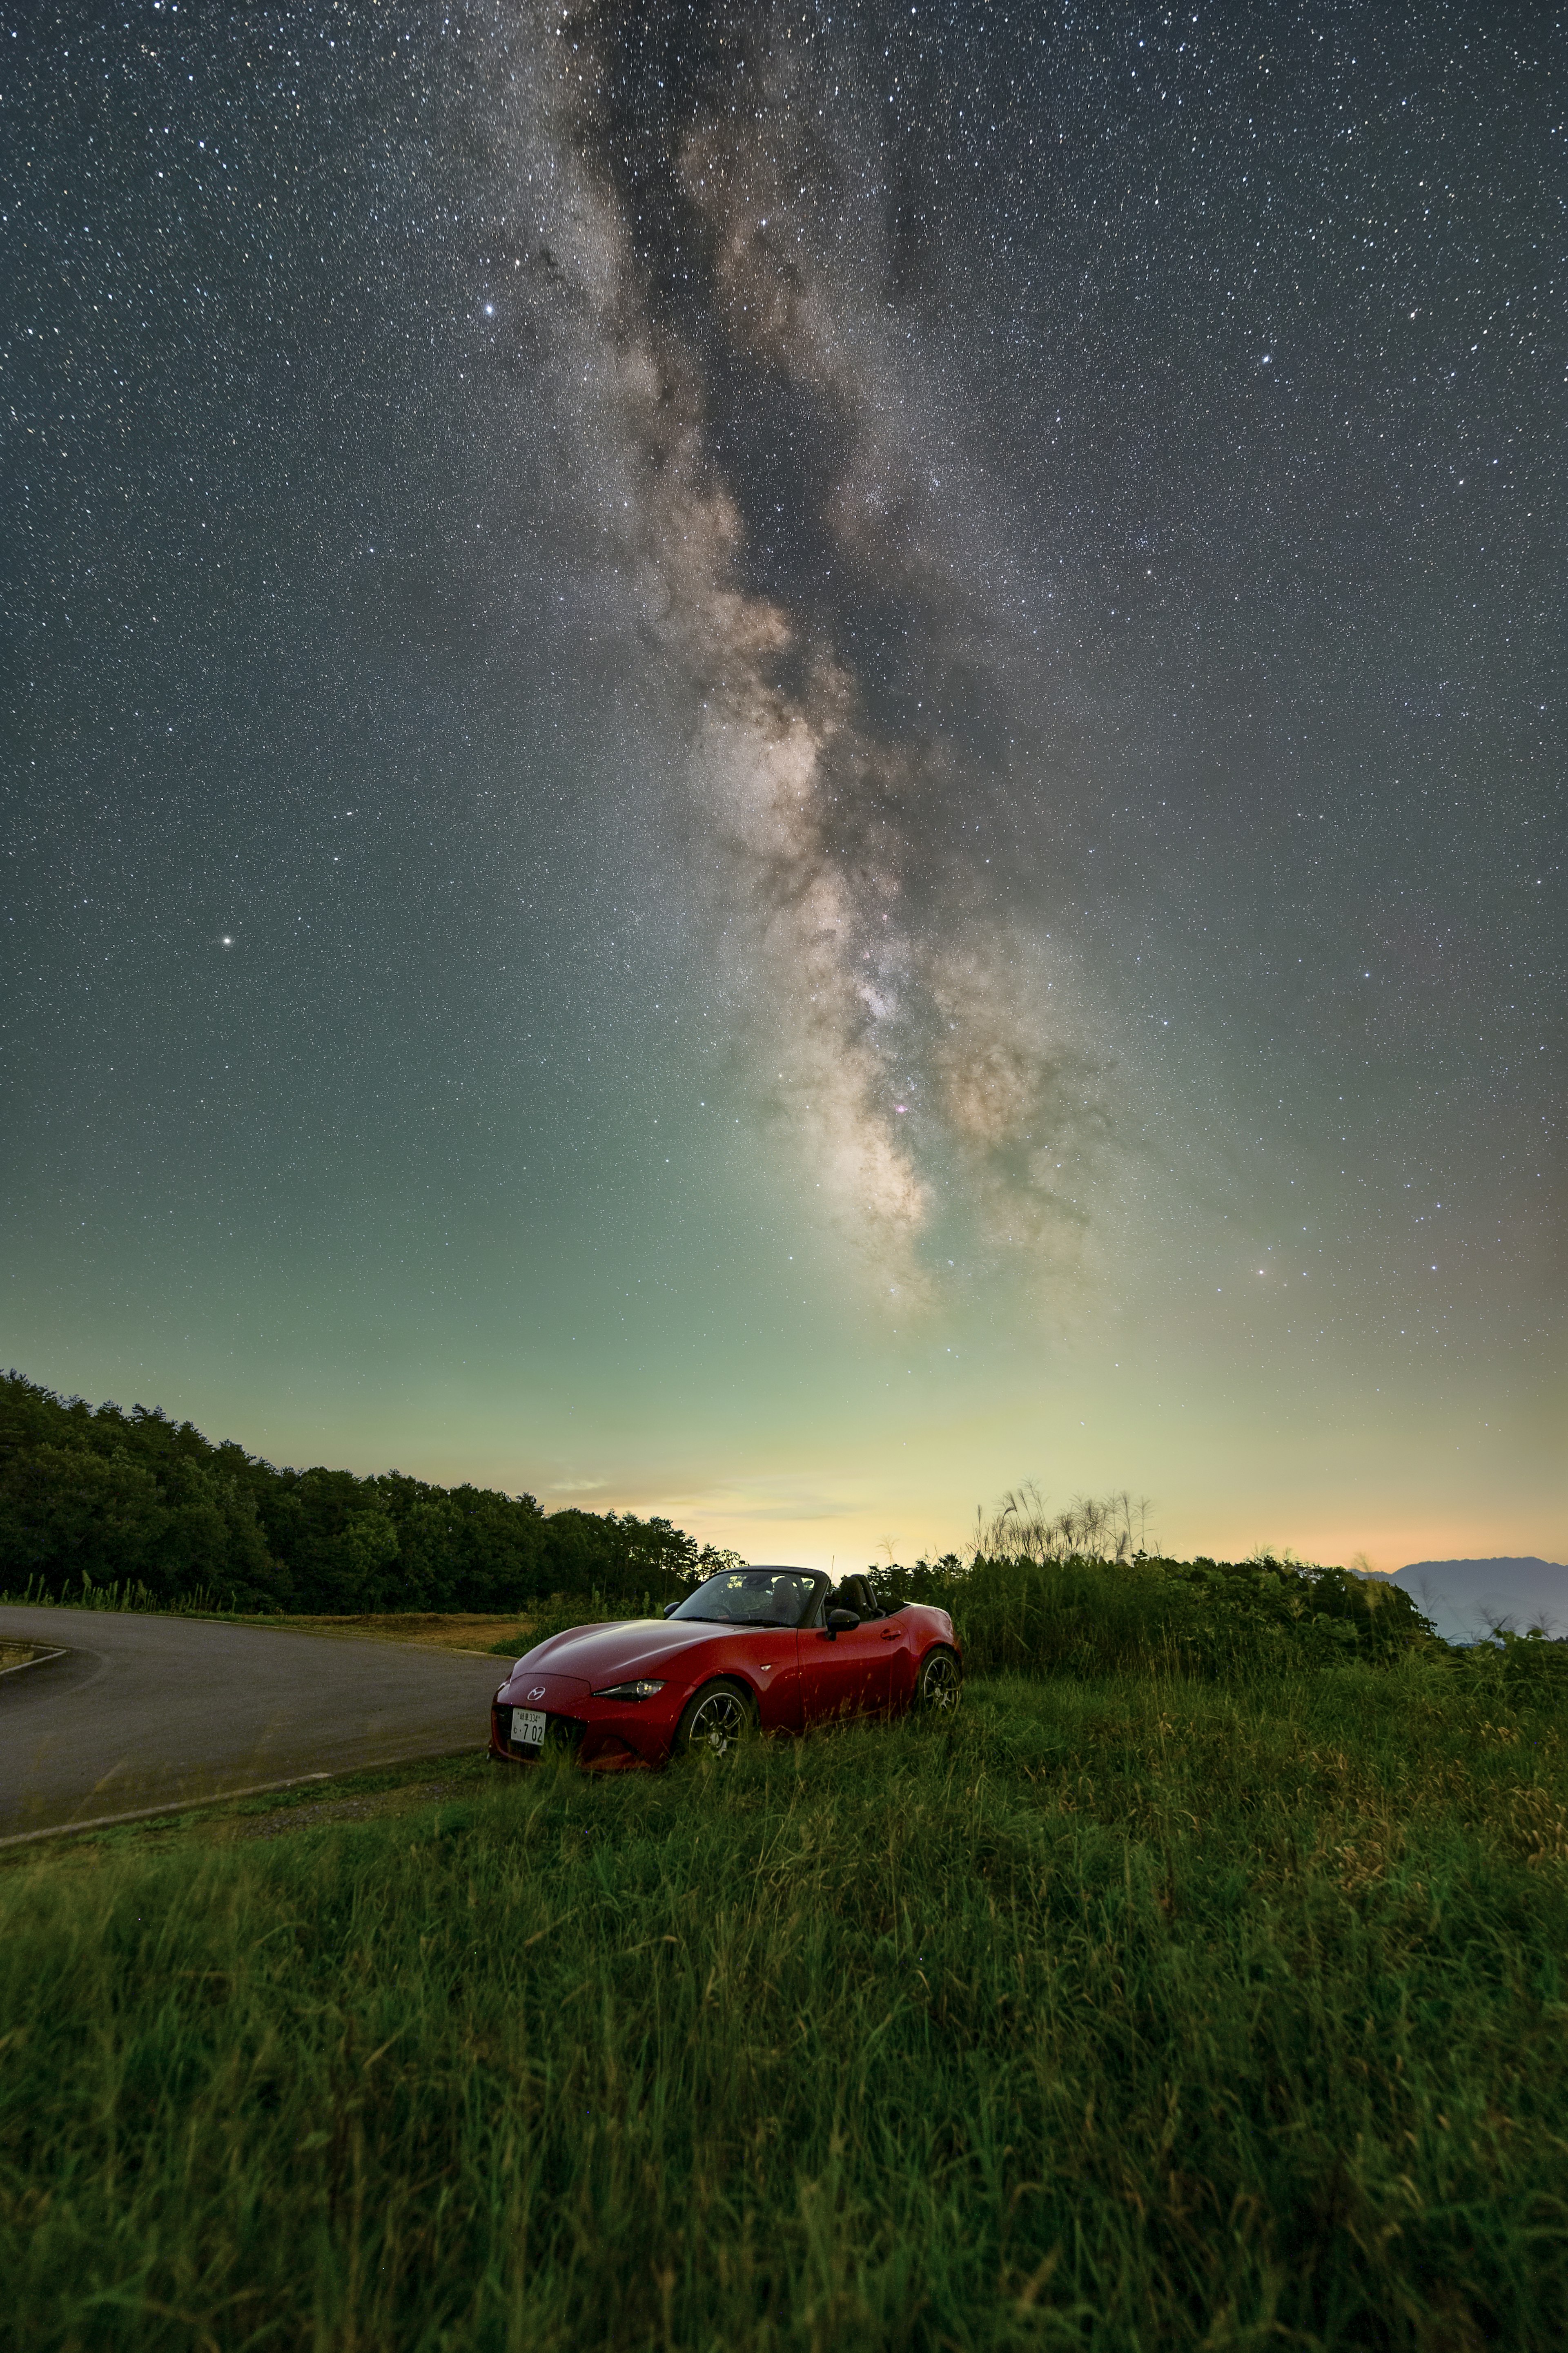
(753, 1597)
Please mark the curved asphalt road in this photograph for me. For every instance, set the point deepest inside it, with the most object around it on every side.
(145, 1712)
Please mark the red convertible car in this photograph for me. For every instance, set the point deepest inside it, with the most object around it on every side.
(768, 1649)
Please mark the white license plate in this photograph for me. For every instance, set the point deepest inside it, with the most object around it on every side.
(528, 1727)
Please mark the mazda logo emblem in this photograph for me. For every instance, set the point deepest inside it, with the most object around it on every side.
(538, 1692)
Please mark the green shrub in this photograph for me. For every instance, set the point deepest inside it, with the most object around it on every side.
(1143, 1617)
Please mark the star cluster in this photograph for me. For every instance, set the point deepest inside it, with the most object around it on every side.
(857, 713)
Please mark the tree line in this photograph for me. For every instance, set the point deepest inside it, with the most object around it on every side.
(99, 1493)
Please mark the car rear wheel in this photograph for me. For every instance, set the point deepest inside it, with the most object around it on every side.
(939, 1683)
(715, 1721)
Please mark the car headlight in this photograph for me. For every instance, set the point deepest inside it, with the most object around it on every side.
(641, 1689)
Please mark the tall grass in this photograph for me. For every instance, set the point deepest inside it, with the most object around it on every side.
(122, 1593)
(1133, 2013)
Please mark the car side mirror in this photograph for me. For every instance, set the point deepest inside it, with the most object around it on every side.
(670, 1607)
(840, 1621)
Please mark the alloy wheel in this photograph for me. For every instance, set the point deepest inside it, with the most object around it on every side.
(941, 1683)
(718, 1722)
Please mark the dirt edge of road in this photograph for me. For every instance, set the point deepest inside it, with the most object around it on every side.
(266, 1811)
(469, 1635)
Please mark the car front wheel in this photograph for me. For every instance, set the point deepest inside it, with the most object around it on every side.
(715, 1721)
(939, 1681)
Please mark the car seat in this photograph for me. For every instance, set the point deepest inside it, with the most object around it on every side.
(854, 1593)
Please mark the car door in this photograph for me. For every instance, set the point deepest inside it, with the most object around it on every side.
(765, 1657)
(845, 1674)
(898, 1634)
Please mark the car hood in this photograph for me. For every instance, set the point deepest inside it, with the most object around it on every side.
(597, 1655)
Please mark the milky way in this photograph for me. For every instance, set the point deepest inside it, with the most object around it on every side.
(705, 252)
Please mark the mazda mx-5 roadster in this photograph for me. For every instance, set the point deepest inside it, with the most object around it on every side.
(748, 1651)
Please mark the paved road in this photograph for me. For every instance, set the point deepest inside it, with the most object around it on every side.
(144, 1711)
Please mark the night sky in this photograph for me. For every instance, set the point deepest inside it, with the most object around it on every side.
(781, 764)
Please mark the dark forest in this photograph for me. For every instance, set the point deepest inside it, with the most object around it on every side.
(111, 1496)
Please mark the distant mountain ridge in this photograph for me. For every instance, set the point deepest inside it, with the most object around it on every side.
(1464, 1599)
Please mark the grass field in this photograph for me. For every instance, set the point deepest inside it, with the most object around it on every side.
(445, 1629)
(1137, 2013)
